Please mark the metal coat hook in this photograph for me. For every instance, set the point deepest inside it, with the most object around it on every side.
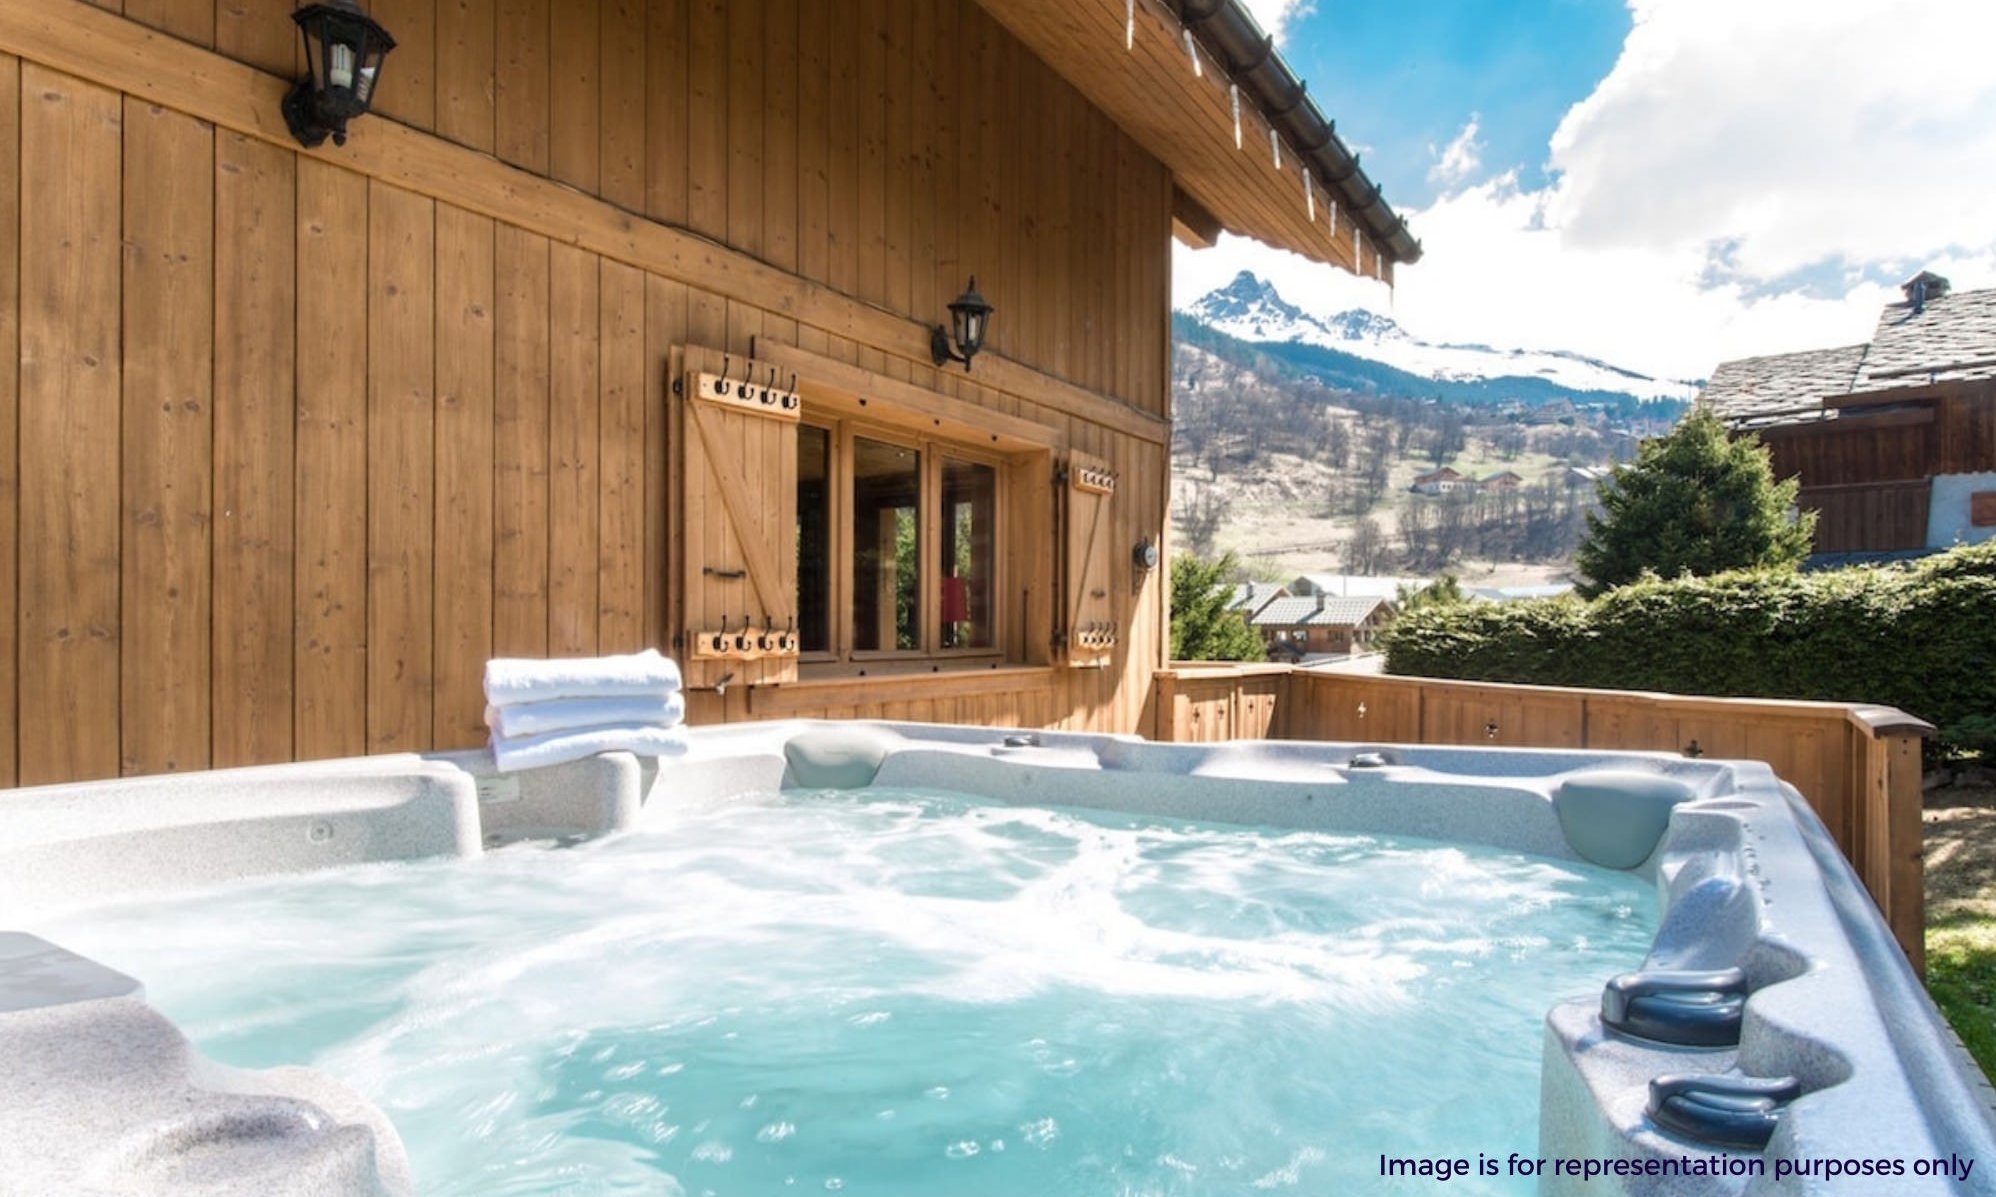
(721, 383)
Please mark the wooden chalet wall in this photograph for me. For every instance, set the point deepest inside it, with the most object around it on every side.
(291, 442)
(1867, 473)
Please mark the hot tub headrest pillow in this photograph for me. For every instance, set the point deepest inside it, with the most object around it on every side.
(837, 758)
(1615, 817)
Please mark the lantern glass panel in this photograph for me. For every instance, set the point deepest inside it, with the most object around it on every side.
(315, 57)
(370, 71)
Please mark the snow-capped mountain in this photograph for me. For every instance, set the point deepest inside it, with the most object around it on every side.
(1251, 310)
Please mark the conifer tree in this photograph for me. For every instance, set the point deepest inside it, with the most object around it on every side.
(1202, 628)
(1693, 502)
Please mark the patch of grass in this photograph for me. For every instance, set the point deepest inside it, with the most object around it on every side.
(1961, 976)
(1961, 913)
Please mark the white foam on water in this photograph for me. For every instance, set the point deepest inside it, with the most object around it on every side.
(877, 990)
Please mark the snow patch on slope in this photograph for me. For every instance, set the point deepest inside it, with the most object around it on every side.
(1252, 310)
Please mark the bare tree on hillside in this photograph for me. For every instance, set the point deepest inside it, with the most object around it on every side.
(1417, 524)
(1201, 521)
(1337, 443)
(1455, 526)
(1375, 466)
(1365, 552)
(1446, 438)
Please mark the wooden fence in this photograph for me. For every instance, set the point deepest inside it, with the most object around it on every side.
(1858, 766)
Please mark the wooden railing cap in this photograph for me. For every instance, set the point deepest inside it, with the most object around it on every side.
(1885, 721)
(1188, 670)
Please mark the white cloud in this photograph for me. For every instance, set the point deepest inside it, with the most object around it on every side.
(1274, 16)
(1459, 159)
(1795, 129)
(1734, 150)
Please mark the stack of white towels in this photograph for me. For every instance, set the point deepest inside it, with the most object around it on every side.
(548, 712)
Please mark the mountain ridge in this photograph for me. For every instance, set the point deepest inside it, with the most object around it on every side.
(1352, 347)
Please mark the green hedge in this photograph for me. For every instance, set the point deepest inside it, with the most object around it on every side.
(1920, 637)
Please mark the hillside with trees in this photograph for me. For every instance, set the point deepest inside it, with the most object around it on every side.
(1291, 471)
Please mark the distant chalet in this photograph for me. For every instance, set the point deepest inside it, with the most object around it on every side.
(1894, 440)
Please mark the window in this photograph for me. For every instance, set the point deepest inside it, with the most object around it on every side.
(814, 531)
(898, 545)
(886, 547)
(970, 534)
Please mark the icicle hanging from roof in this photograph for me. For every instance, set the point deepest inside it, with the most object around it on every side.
(1129, 24)
(1192, 50)
(1310, 198)
(1234, 97)
(1275, 151)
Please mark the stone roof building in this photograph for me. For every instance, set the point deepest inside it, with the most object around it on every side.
(1894, 440)
(1946, 336)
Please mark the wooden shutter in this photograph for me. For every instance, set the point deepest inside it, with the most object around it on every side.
(1091, 628)
(738, 522)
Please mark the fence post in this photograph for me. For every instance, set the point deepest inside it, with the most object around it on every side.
(1905, 837)
(1165, 717)
(1890, 830)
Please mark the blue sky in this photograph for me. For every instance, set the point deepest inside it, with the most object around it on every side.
(1404, 78)
(1664, 184)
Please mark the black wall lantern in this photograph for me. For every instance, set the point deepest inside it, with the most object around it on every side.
(344, 47)
(969, 316)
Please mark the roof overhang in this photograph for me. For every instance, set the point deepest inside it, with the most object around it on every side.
(1137, 64)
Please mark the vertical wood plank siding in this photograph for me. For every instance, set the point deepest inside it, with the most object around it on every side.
(329, 579)
(463, 536)
(287, 450)
(10, 407)
(68, 649)
(401, 495)
(255, 418)
(169, 295)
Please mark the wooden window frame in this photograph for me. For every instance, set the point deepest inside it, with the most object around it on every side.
(842, 658)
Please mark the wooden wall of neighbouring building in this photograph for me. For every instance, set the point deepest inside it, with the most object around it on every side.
(290, 442)
(1867, 473)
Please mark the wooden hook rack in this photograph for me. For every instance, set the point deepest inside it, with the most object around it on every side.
(744, 644)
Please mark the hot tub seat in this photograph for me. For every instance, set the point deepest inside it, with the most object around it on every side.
(102, 1094)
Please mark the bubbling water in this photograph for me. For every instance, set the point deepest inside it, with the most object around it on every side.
(895, 992)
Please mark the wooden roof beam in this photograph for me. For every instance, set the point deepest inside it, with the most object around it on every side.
(1191, 223)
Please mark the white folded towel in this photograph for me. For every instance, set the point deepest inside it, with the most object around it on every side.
(568, 714)
(554, 748)
(510, 680)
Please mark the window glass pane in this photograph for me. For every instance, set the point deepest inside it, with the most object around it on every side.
(886, 583)
(970, 521)
(814, 539)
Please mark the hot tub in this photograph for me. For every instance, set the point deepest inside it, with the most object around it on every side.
(899, 958)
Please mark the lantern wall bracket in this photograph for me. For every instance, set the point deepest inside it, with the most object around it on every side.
(942, 352)
(302, 118)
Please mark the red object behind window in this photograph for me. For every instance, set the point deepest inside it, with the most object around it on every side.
(956, 600)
